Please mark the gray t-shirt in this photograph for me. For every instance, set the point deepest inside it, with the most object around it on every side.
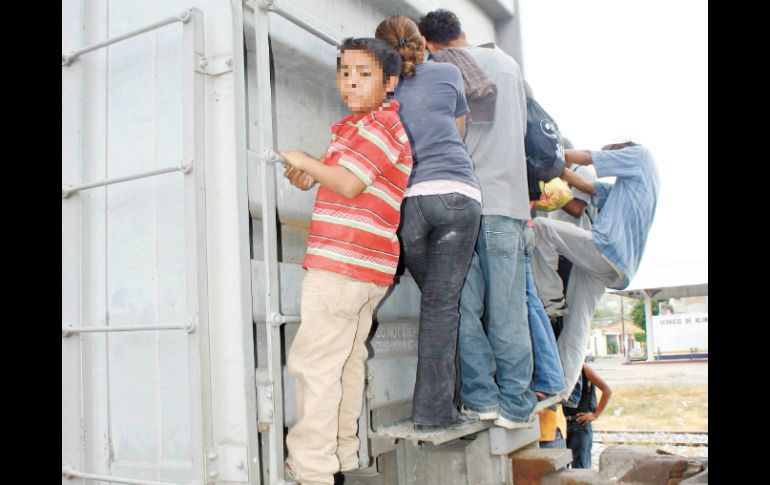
(497, 148)
(429, 103)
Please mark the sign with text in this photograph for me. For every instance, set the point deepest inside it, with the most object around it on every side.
(681, 333)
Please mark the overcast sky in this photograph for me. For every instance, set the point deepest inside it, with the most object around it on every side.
(603, 67)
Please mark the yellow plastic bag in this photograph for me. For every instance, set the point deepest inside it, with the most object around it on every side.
(555, 194)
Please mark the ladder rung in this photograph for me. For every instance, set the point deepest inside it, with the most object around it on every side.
(405, 430)
(188, 327)
(302, 19)
(68, 472)
(69, 57)
(68, 190)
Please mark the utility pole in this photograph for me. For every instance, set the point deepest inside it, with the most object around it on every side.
(623, 329)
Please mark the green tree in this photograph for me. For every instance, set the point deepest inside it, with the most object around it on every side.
(604, 312)
(641, 337)
(637, 313)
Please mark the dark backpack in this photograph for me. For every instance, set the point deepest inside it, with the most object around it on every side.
(544, 148)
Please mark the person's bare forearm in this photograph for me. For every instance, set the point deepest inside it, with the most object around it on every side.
(338, 179)
(603, 402)
(574, 207)
(581, 157)
(578, 182)
(602, 385)
(461, 126)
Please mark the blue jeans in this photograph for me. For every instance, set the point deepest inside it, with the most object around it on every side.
(574, 397)
(438, 233)
(580, 439)
(549, 375)
(496, 365)
(556, 443)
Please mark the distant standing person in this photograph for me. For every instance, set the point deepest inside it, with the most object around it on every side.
(580, 435)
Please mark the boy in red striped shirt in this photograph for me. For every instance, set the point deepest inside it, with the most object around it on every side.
(351, 259)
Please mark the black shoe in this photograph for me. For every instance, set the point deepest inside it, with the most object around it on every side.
(461, 420)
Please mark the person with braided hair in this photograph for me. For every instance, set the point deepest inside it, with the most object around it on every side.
(440, 215)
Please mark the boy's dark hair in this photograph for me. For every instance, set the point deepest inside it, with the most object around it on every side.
(386, 56)
(440, 26)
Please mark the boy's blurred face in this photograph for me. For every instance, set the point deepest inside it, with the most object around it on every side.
(359, 81)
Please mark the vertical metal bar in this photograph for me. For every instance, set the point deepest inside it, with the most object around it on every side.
(95, 370)
(242, 142)
(648, 326)
(71, 248)
(506, 470)
(623, 329)
(364, 457)
(195, 241)
(264, 141)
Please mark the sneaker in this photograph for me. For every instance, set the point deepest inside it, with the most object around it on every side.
(290, 474)
(556, 308)
(484, 416)
(462, 420)
(508, 424)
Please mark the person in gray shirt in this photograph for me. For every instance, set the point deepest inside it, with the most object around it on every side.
(496, 365)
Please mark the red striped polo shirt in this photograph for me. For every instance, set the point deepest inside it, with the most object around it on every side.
(357, 237)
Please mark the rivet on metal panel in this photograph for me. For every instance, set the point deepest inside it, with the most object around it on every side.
(185, 16)
(369, 395)
(202, 63)
(66, 59)
(213, 455)
(270, 156)
(275, 319)
(192, 323)
(186, 166)
(213, 473)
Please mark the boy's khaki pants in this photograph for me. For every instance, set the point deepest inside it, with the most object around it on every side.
(327, 360)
